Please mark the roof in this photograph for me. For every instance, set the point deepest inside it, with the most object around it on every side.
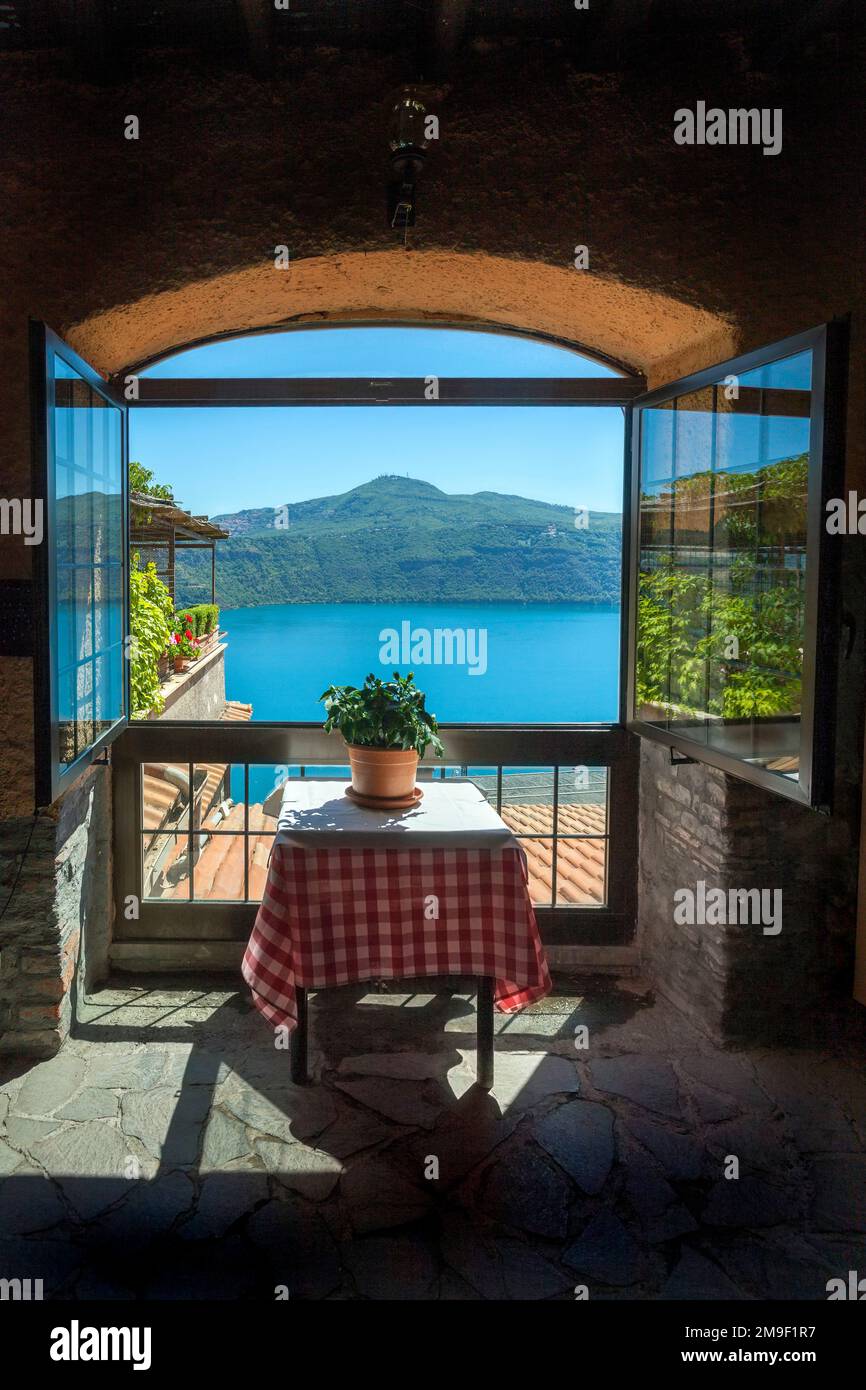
(580, 863)
(162, 513)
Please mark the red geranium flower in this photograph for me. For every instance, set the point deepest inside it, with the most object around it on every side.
(187, 633)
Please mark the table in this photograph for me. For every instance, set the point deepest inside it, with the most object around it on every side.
(356, 894)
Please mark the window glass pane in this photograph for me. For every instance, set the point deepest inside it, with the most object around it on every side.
(479, 548)
(527, 800)
(165, 796)
(386, 351)
(582, 806)
(539, 864)
(88, 562)
(220, 794)
(722, 565)
(219, 868)
(493, 571)
(581, 873)
(165, 861)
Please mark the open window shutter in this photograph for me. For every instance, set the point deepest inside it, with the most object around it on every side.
(81, 604)
(731, 625)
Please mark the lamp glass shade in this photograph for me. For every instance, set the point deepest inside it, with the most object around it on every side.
(407, 123)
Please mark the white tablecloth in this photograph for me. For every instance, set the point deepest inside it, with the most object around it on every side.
(453, 814)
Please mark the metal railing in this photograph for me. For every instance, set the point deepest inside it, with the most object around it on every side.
(554, 770)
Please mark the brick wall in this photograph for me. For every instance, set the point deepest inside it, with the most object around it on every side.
(55, 929)
(733, 981)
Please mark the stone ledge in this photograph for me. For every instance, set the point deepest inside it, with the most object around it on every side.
(180, 683)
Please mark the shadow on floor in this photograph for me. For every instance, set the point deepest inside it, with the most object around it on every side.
(165, 1153)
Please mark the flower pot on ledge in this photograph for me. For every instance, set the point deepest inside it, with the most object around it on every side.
(180, 663)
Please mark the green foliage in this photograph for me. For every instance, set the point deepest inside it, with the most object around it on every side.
(382, 714)
(205, 617)
(150, 611)
(401, 540)
(686, 619)
(141, 480)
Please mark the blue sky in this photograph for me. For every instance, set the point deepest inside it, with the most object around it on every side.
(222, 460)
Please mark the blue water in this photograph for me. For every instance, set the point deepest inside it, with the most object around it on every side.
(556, 663)
(545, 663)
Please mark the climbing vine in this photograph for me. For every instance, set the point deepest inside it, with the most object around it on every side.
(150, 619)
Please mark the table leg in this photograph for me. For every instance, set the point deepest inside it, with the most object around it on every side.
(484, 1065)
(299, 1041)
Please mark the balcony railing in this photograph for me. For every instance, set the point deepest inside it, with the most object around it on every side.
(196, 810)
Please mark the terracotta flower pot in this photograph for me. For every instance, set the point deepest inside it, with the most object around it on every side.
(180, 663)
(383, 772)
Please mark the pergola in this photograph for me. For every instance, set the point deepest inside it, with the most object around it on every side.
(158, 529)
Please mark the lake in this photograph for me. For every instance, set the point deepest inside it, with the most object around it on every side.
(484, 662)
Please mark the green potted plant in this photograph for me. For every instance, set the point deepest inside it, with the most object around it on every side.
(386, 728)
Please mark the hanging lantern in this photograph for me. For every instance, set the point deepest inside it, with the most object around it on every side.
(408, 143)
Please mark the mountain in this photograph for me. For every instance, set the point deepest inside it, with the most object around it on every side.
(400, 539)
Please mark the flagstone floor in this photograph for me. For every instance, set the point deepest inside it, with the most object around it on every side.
(164, 1153)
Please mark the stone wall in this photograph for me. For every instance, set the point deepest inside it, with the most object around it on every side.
(55, 930)
(200, 692)
(733, 981)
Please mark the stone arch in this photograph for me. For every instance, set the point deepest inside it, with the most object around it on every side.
(634, 327)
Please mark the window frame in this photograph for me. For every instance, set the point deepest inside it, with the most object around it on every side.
(814, 786)
(52, 777)
(289, 742)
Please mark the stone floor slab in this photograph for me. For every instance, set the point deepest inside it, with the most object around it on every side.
(606, 1253)
(303, 1257)
(405, 1102)
(696, 1277)
(295, 1112)
(310, 1172)
(840, 1192)
(398, 1269)
(579, 1135)
(647, 1081)
(50, 1085)
(225, 1139)
(521, 1079)
(91, 1104)
(524, 1190)
(224, 1198)
(168, 1123)
(680, 1155)
(378, 1195)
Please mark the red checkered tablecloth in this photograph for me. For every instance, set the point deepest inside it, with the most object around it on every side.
(334, 915)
